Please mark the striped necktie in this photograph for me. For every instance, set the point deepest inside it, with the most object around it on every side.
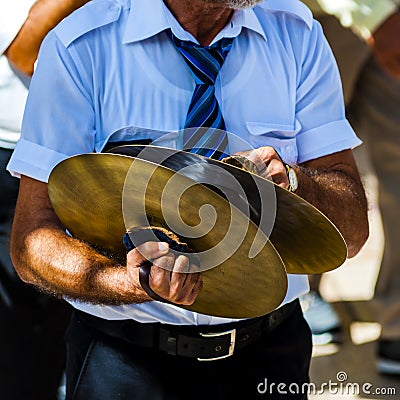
(205, 127)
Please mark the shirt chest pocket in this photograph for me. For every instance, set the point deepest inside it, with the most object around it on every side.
(281, 137)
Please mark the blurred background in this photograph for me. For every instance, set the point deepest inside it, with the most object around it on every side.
(350, 289)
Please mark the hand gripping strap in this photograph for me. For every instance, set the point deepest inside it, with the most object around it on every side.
(142, 235)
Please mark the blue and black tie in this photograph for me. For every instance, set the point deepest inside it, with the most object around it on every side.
(205, 127)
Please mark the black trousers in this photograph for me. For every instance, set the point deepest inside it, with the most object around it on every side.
(32, 324)
(100, 367)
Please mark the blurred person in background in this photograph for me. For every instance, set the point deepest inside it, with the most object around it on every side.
(365, 38)
(32, 350)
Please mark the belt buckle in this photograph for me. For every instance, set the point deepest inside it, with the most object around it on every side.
(231, 333)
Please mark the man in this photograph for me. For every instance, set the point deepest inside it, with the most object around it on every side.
(116, 65)
(32, 324)
(365, 38)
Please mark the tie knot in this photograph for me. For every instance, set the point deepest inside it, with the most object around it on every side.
(204, 61)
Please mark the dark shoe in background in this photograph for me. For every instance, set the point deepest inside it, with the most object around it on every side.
(388, 357)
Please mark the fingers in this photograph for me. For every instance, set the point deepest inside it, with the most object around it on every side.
(176, 284)
(254, 157)
(276, 172)
(269, 164)
(146, 251)
(160, 275)
(171, 277)
(182, 283)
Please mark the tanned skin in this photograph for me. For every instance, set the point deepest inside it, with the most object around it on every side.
(43, 16)
(385, 45)
(45, 256)
(330, 183)
(201, 18)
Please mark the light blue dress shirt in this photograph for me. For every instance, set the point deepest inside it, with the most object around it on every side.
(111, 67)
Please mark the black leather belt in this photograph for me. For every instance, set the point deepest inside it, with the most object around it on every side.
(204, 342)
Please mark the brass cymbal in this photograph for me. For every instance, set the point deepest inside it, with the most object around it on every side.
(306, 240)
(99, 196)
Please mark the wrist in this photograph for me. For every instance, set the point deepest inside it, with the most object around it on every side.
(119, 286)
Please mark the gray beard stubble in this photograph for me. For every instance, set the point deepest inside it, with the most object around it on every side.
(239, 4)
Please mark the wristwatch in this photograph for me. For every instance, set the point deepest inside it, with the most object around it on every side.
(292, 176)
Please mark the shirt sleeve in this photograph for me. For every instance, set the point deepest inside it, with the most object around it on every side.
(362, 16)
(319, 101)
(12, 16)
(59, 117)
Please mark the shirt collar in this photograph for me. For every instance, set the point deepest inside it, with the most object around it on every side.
(147, 18)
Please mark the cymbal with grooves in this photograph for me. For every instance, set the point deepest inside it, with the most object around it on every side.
(88, 191)
(307, 241)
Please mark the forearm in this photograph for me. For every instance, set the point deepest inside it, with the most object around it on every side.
(340, 196)
(44, 255)
(64, 266)
(43, 16)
